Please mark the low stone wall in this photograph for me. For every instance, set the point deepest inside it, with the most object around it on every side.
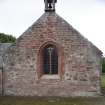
(0, 82)
(3, 48)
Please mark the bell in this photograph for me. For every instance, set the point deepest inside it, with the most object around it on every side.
(50, 6)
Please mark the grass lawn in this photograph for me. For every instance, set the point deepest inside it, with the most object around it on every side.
(7, 100)
(51, 101)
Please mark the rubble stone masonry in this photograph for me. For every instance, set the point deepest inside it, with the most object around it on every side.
(79, 64)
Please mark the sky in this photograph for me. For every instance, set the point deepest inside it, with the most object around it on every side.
(87, 16)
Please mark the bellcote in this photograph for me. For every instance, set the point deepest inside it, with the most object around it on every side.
(50, 5)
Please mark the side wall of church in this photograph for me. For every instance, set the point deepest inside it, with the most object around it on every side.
(0, 82)
(94, 67)
(3, 48)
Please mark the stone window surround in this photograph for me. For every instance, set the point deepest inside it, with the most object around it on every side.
(40, 73)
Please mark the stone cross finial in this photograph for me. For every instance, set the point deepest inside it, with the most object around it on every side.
(50, 5)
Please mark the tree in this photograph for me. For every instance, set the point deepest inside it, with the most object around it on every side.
(4, 38)
(103, 65)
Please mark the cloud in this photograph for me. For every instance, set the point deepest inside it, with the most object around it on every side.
(3, 1)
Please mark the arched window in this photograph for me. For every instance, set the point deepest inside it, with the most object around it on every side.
(50, 59)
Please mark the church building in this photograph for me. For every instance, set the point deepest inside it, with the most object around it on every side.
(50, 58)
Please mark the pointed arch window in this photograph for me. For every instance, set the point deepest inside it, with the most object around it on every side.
(50, 59)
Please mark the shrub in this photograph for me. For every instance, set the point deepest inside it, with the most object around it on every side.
(4, 38)
(103, 65)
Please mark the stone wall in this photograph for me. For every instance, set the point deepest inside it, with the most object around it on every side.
(94, 67)
(3, 48)
(80, 62)
(0, 81)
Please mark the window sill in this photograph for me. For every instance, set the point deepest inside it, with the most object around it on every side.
(50, 77)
